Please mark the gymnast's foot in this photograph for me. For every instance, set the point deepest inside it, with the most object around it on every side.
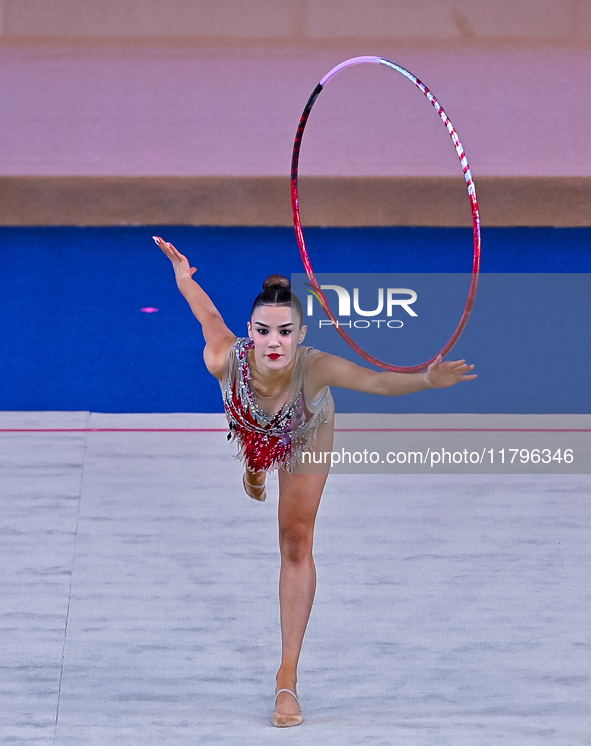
(287, 712)
(287, 708)
(254, 485)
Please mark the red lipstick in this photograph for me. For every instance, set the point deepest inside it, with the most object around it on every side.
(274, 355)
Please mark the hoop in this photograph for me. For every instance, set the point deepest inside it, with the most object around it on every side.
(471, 193)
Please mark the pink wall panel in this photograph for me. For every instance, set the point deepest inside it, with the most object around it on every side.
(160, 109)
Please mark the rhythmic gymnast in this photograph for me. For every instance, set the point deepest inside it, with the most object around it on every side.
(277, 398)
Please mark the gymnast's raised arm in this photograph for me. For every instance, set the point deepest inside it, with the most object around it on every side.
(218, 338)
(331, 370)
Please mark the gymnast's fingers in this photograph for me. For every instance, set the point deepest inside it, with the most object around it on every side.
(177, 254)
(171, 252)
(163, 245)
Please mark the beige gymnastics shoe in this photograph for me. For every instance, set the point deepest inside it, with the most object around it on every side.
(280, 720)
(256, 491)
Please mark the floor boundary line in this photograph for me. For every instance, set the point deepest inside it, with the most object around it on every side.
(337, 430)
(59, 690)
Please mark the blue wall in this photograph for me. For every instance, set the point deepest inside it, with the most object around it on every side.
(73, 336)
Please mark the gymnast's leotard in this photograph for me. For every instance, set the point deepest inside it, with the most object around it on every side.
(273, 432)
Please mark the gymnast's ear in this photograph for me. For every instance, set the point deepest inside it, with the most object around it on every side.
(302, 334)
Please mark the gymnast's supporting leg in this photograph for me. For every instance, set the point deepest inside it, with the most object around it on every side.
(299, 498)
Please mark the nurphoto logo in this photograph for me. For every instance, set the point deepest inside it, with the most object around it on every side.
(399, 298)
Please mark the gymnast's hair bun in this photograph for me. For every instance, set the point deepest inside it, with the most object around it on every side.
(277, 292)
(276, 281)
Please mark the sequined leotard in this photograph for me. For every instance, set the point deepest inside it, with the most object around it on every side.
(277, 438)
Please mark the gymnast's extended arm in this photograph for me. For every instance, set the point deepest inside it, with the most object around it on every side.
(218, 337)
(331, 370)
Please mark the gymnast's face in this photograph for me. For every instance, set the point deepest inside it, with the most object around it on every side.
(276, 333)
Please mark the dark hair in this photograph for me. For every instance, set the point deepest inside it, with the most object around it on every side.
(277, 292)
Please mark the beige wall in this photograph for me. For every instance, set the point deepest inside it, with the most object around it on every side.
(326, 201)
(301, 20)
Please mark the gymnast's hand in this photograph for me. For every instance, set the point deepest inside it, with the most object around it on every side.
(439, 375)
(180, 263)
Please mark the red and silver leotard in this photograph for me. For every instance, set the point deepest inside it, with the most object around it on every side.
(278, 439)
